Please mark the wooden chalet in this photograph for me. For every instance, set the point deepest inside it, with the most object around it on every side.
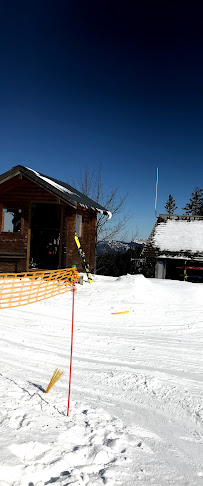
(176, 245)
(38, 219)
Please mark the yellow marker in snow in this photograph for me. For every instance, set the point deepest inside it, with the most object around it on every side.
(124, 312)
(56, 376)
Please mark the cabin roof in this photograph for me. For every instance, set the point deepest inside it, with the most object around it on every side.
(59, 188)
(176, 237)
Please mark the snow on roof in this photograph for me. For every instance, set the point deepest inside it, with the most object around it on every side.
(109, 214)
(61, 189)
(74, 194)
(177, 235)
(55, 184)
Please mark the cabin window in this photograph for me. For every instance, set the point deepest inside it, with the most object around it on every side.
(78, 224)
(11, 220)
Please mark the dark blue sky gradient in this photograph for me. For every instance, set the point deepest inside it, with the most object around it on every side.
(84, 83)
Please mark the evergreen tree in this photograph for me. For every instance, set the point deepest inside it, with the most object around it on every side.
(195, 206)
(170, 205)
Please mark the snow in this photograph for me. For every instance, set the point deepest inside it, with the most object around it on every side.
(176, 235)
(139, 241)
(136, 414)
(108, 213)
(52, 183)
(101, 211)
(65, 190)
(113, 246)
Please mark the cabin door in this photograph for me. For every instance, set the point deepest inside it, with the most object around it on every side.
(45, 236)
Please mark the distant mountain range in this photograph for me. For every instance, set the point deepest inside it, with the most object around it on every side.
(112, 246)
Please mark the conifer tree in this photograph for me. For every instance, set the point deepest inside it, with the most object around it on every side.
(170, 205)
(195, 206)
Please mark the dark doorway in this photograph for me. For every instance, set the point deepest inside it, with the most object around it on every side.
(174, 269)
(45, 236)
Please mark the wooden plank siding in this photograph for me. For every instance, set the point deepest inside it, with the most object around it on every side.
(19, 192)
(23, 190)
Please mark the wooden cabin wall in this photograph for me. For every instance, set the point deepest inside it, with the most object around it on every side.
(87, 239)
(18, 192)
(13, 246)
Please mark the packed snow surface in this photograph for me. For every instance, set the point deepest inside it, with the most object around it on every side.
(176, 235)
(136, 413)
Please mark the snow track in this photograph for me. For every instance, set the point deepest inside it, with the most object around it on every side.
(136, 414)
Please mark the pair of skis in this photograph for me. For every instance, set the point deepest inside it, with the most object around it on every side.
(82, 256)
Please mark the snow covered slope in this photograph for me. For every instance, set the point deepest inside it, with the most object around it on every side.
(113, 246)
(136, 414)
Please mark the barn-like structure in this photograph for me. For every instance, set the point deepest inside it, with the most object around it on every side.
(38, 219)
(176, 244)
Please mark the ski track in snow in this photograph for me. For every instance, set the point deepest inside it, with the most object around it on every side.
(136, 414)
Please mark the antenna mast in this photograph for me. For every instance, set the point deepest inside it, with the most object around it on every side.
(157, 180)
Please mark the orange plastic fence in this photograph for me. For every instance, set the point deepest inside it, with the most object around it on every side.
(18, 289)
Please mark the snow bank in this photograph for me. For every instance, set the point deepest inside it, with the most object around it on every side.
(134, 281)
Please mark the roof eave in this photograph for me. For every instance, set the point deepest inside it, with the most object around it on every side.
(33, 177)
(45, 185)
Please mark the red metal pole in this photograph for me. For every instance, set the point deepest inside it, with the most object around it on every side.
(71, 352)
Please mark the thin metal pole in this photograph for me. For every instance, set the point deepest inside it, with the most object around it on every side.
(71, 351)
(157, 180)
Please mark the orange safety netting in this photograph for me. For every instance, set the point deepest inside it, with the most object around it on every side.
(18, 289)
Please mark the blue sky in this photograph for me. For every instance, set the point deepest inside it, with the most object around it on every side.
(85, 83)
